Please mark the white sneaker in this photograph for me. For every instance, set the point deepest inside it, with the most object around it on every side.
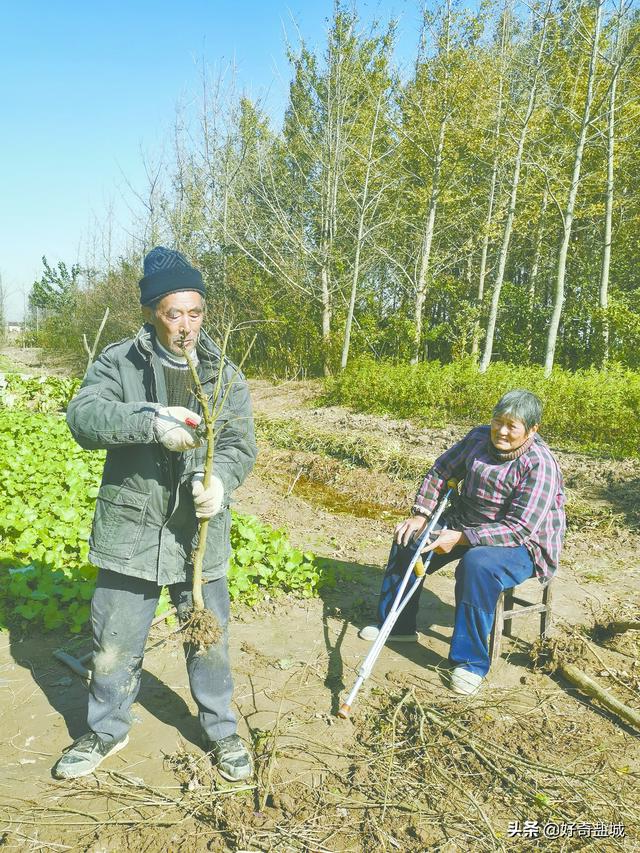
(464, 682)
(370, 633)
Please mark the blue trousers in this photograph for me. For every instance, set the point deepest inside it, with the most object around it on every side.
(483, 572)
(122, 610)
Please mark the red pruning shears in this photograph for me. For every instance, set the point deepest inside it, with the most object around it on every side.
(199, 427)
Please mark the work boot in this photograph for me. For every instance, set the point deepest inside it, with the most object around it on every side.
(464, 682)
(370, 633)
(232, 758)
(85, 755)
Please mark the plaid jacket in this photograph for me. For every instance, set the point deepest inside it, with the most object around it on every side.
(519, 502)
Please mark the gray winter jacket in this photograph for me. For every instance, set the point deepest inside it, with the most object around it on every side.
(144, 524)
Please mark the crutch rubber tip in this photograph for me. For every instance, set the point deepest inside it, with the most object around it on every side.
(345, 711)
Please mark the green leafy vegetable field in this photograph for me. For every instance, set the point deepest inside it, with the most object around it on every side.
(50, 485)
(37, 393)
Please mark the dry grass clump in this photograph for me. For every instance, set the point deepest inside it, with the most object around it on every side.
(586, 515)
(354, 448)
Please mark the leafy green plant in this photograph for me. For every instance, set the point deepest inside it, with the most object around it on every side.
(37, 393)
(42, 595)
(264, 559)
(50, 485)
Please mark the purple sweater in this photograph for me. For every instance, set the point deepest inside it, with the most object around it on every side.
(518, 502)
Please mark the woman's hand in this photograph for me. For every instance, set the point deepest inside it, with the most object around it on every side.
(446, 541)
(408, 528)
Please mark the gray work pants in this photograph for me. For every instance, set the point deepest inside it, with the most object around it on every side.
(122, 610)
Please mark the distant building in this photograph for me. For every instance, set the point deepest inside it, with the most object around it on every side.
(14, 329)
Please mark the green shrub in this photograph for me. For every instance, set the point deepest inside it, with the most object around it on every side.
(50, 485)
(590, 409)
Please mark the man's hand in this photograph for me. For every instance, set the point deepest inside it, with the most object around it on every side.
(208, 502)
(446, 541)
(408, 528)
(171, 430)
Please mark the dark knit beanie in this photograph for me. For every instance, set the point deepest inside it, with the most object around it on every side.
(168, 271)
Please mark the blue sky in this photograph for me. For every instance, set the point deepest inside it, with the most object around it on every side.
(86, 87)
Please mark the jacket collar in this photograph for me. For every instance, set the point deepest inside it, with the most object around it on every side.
(207, 350)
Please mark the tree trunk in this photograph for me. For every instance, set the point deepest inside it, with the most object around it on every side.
(427, 239)
(533, 274)
(359, 242)
(325, 288)
(581, 680)
(608, 216)
(333, 166)
(475, 342)
(513, 198)
(568, 215)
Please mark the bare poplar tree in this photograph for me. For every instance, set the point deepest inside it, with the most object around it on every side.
(366, 203)
(567, 213)
(533, 272)
(497, 156)
(513, 197)
(616, 60)
(444, 51)
(431, 104)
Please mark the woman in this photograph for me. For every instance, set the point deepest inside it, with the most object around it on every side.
(507, 525)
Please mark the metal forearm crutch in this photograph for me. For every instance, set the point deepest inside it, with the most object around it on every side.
(416, 568)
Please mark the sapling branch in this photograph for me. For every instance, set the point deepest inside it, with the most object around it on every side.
(91, 351)
(202, 628)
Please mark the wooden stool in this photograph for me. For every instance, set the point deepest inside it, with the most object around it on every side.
(505, 612)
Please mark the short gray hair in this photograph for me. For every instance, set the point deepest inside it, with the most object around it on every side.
(522, 405)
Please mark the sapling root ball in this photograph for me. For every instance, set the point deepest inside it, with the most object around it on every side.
(202, 630)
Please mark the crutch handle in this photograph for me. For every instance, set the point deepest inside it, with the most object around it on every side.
(419, 569)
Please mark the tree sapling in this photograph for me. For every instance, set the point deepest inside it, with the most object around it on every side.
(201, 627)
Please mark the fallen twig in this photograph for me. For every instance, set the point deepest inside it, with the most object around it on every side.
(587, 684)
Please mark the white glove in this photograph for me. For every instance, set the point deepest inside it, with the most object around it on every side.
(208, 502)
(171, 430)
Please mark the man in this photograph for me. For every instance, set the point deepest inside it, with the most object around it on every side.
(134, 403)
(507, 525)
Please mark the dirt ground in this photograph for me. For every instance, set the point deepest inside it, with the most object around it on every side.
(528, 747)
(31, 360)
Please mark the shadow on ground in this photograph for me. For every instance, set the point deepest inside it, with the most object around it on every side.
(624, 497)
(350, 598)
(67, 693)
